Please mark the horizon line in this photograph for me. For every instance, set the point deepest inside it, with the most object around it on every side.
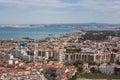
(56, 23)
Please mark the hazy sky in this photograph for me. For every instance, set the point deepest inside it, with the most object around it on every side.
(59, 11)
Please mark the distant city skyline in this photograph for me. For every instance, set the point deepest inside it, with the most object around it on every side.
(59, 11)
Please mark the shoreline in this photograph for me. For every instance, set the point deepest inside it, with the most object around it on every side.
(53, 36)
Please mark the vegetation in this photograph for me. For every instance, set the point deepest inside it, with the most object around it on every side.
(50, 74)
(95, 71)
(51, 59)
(77, 63)
(100, 35)
(99, 76)
(68, 64)
(92, 63)
(75, 76)
(109, 63)
(115, 50)
(79, 69)
(1, 56)
(118, 62)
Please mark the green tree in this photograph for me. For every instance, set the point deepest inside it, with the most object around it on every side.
(93, 70)
(75, 76)
(80, 69)
(118, 62)
(115, 50)
(92, 63)
(77, 63)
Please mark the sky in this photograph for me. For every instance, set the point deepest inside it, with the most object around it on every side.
(59, 11)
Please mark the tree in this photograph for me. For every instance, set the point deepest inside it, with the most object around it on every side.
(118, 62)
(92, 63)
(93, 70)
(115, 50)
(77, 63)
(80, 69)
(74, 77)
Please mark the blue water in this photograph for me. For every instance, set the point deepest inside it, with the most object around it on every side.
(34, 32)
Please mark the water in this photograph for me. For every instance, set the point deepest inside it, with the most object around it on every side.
(34, 32)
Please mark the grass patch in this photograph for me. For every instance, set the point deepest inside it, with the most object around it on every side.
(99, 76)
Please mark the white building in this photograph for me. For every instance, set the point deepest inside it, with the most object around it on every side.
(107, 68)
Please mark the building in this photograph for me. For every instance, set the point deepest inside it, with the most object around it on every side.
(90, 57)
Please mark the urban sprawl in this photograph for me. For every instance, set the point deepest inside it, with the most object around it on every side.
(61, 58)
